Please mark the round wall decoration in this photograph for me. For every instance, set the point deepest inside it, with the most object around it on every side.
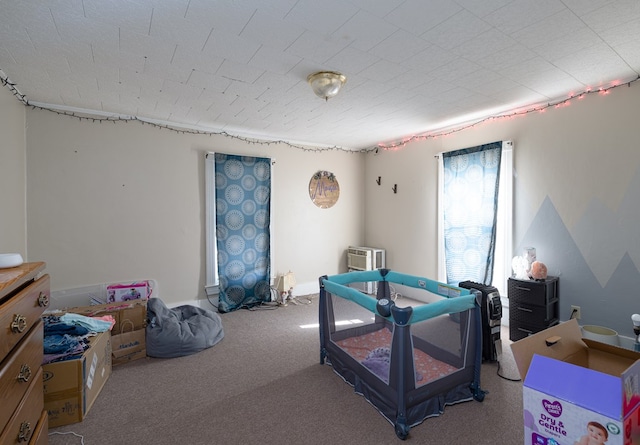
(324, 189)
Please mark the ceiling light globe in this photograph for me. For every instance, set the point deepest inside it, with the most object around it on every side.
(326, 84)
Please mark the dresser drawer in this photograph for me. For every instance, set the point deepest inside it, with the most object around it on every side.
(19, 370)
(539, 293)
(521, 313)
(41, 434)
(518, 332)
(22, 312)
(24, 421)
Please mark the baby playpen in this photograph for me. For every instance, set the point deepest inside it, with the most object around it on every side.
(408, 361)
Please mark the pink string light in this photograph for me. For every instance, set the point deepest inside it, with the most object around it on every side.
(540, 109)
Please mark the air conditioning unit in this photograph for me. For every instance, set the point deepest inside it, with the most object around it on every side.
(365, 258)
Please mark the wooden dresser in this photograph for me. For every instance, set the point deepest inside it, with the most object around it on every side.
(24, 295)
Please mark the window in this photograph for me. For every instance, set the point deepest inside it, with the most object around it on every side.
(238, 201)
(212, 283)
(503, 244)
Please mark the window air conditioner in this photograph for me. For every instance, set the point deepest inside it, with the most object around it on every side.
(358, 258)
(365, 258)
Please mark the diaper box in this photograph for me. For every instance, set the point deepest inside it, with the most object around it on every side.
(578, 391)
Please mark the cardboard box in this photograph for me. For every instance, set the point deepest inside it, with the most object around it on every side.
(125, 313)
(574, 385)
(72, 386)
(128, 336)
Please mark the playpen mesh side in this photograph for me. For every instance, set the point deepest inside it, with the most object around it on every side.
(434, 349)
(437, 346)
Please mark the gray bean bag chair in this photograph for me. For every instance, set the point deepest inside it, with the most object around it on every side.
(180, 331)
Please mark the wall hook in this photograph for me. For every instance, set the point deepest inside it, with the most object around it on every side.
(379, 180)
(395, 188)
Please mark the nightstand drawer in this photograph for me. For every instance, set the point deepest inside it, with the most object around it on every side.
(520, 331)
(533, 306)
(529, 314)
(539, 293)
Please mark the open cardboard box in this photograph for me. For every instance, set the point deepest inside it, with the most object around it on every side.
(128, 336)
(574, 385)
(71, 386)
(129, 315)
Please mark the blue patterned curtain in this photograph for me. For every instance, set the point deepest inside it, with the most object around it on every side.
(243, 195)
(471, 178)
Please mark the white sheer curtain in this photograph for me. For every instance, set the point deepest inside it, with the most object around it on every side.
(501, 267)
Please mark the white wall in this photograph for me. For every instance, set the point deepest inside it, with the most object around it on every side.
(403, 223)
(114, 202)
(111, 202)
(583, 158)
(13, 225)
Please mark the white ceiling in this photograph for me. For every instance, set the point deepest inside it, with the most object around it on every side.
(240, 66)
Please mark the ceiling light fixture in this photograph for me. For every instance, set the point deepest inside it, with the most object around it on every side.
(326, 84)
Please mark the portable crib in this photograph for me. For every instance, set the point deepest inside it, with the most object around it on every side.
(408, 362)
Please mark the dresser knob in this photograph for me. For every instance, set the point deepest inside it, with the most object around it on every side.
(19, 323)
(43, 300)
(25, 373)
(25, 432)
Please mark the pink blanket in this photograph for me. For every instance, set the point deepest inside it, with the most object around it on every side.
(427, 368)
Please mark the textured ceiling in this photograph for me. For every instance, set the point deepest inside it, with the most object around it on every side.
(240, 66)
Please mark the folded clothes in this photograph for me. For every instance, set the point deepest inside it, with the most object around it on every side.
(65, 337)
(62, 344)
(107, 318)
(54, 325)
(91, 323)
(67, 355)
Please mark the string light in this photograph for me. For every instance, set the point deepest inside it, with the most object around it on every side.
(115, 119)
(538, 109)
(382, 146)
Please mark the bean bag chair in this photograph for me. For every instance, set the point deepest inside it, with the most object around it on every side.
(180, 331)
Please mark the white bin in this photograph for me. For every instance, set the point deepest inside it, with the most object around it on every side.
(601, 334)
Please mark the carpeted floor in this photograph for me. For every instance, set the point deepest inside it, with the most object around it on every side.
(263, 384)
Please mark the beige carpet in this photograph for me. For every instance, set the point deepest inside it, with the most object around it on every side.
(263, 384)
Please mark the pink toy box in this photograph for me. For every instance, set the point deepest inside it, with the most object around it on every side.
(578, 391)
(128, 292)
